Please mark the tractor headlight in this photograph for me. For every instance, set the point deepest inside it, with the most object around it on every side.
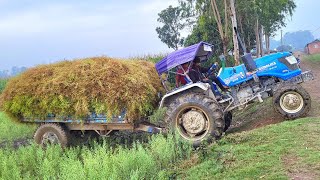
(291, 60)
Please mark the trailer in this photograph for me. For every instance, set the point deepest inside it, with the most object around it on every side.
(56, 130)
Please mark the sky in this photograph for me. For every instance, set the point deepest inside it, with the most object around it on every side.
(305, 17)
(35, 32)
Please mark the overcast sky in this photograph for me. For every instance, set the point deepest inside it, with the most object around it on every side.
(42, 31)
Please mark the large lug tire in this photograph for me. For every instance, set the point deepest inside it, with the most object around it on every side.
(292, 101)
(195, 117)
(51, 133)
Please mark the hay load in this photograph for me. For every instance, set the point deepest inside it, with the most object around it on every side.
(77, 88)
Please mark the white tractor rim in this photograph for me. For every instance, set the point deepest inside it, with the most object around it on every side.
(291, 102)
(193, 124)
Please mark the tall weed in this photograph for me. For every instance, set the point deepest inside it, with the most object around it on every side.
(151, 160)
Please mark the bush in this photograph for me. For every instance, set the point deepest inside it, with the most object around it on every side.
(153, 160)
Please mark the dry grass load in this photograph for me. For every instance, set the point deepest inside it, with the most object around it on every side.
(76, 88)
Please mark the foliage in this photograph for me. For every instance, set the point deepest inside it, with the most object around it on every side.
(270, 14)
(3, 83)
(173, 20)
(78, 87)
(158, 115)
(154, 160)
(262, 153)
(11, 130)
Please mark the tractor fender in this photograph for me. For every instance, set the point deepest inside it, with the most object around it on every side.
(199, 85)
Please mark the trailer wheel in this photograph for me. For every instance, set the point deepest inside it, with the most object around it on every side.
(51, 133)
(195, 117)
(292, 101)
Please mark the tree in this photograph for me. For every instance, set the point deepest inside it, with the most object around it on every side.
(222, 31)
(173, 19)
(234, 36)
(272, 15)
(255, 19)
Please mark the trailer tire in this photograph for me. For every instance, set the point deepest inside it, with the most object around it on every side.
(195, 117)
(292, 101)
(51, 133)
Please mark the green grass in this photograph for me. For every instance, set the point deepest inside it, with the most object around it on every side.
(11, 130)
(261, 153)
(153, 160)
(312, 58)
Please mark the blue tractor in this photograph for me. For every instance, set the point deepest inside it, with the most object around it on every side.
(195, 112)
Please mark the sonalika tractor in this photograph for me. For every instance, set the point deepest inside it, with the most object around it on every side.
(192, 109)
(195, 112)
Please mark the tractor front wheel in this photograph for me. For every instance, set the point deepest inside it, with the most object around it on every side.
(292, 101)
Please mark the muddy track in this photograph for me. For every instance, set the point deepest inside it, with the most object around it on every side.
(16, 143)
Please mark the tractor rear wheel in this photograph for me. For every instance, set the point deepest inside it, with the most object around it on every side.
(292, 101)
(51, 133)
(195, 117)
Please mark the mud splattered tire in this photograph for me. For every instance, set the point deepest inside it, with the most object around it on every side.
(50, 133)
(195, 117)
(292, 101)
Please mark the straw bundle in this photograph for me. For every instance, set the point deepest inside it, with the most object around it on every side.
(76, 88)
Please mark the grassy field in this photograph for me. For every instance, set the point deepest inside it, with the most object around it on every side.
(11, 130)
(312, 58)
(278, 151)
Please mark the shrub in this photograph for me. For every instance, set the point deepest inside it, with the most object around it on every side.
(142, 161)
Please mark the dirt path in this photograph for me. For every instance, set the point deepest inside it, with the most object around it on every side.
(296, 169)
(260, 115)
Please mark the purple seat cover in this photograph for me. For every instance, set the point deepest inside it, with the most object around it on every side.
(179, 57)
